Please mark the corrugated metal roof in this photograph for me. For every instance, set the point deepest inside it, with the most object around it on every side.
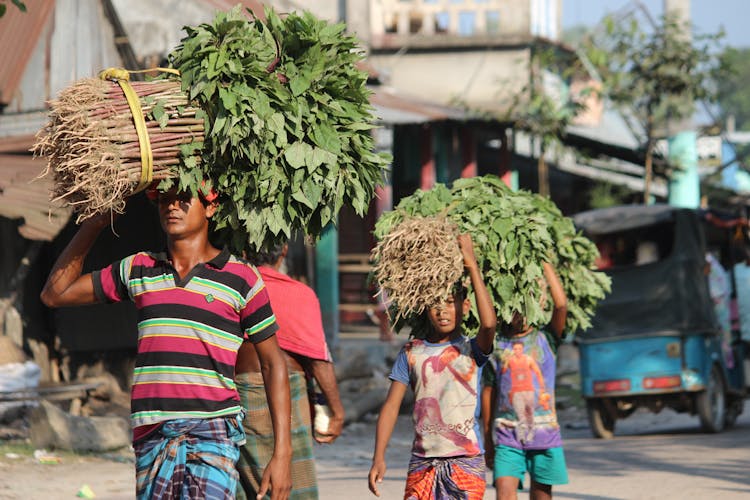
(23, 196)
(395, 108)
(16, 144)
(613, 129)
(19, 35)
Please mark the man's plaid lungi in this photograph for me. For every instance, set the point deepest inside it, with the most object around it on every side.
(189, 458)
(257, 451)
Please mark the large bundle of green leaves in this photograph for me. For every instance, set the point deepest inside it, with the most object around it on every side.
(288, 137)
(513, 233)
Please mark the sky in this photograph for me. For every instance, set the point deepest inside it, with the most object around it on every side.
(708, 16)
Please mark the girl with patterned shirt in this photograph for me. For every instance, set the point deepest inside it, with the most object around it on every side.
(443, 370)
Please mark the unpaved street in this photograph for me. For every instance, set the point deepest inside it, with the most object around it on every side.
(653, 456)
(661, 456)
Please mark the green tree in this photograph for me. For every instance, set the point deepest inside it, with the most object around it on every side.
(656, 75)
(605, 194)
(544, 116)
(4, 7)
(733, 91)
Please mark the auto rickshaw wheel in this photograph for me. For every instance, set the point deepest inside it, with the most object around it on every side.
(601, 421)
(734, 410)
(711, 402)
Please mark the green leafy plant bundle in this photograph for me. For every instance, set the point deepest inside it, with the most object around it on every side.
(288, 133)
(513, 233)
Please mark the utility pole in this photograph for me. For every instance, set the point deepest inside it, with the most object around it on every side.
(684, 186)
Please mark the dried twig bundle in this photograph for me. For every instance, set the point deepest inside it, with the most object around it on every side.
(417, 263)
(92, 146)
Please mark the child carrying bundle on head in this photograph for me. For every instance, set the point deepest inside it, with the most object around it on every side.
(443, 371)
(518, 401)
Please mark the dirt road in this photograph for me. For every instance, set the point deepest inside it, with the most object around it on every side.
(653, 456)
(661, 456)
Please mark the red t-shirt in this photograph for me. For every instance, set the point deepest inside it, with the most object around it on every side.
(297, 312)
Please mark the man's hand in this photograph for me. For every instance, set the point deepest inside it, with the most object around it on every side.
(100, 221)
(277, 478)
(377, 472)
(335, 426)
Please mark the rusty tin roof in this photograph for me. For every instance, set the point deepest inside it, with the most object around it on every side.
(25, 196)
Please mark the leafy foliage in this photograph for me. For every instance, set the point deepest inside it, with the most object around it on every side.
(604, 194)
(513, 233)
(288, 124)
(656, 75)
(733, 91)
(544, 116)
(541, 114)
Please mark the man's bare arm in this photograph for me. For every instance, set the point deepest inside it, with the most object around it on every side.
(65, 286)
(277, 475)
(324, 374)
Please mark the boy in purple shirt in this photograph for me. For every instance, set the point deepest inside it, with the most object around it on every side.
(520, 388)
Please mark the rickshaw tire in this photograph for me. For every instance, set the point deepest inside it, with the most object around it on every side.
(734, 409)
(602, 423)
(711, 403)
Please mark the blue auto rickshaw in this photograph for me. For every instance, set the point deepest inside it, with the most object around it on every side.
(655, 341)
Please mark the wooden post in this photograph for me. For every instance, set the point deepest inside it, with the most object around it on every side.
(327, 282)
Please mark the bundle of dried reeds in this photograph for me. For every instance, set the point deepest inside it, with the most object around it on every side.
(92, 145)
(418, 263)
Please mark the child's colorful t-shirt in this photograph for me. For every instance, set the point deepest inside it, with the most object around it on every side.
(446, 383)
(523, 370)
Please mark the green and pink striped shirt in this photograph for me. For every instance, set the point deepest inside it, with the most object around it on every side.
(189, 331)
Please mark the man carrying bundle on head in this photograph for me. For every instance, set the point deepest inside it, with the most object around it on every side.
(195, 306)
(443, 370)
(302, 339)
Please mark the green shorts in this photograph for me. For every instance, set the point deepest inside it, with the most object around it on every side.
(543, 466)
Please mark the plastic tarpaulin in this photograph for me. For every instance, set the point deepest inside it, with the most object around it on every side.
(670, 295)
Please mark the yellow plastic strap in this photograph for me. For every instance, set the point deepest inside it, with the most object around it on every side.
(122, 77)
(171, 71)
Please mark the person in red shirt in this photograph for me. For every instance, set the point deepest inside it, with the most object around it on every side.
(302, 339)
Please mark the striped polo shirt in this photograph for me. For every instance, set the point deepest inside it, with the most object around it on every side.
(189, 331)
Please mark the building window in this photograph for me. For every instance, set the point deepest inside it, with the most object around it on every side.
(442, 22)
(492, 21)
(415, 22)
(466, 23)
(391, 24)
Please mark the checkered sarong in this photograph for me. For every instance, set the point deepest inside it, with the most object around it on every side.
(189, 458)
(257, 451)
(455, 478)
